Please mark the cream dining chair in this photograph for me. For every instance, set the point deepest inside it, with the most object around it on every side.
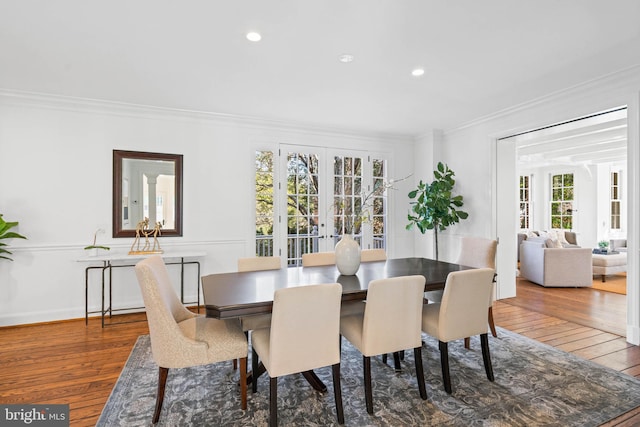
(370, 255)
(180, 338)
(391, 323)
(250, 323)
(262, 263)
(258, 263)
(474, 252)
(315, 259)
(304, 335)
(462, 313)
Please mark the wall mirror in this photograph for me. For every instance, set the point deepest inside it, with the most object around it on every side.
(146, 185)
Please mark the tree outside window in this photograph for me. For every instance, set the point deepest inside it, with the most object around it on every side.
(562, 198)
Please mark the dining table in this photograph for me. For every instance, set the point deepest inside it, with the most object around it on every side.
(240, 294)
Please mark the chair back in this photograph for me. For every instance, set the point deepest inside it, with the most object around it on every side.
(259, 263)
(393, 315)
(318, 258)
(463, 310)
(477, 252)
(305, 329)
(369, 255)
(163, 307)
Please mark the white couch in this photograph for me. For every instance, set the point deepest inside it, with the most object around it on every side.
(555, 267)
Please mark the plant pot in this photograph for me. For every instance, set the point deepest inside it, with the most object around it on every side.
(347, 255)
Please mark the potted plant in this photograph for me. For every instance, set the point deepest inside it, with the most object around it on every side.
(6, 234)
(94, 247)
(603, 245)
(433, 206)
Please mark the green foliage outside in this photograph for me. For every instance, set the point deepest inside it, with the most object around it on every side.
(433, 206)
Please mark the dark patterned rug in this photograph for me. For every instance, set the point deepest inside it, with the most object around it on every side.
(535, 385)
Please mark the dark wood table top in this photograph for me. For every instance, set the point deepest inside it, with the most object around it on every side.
(229, 295)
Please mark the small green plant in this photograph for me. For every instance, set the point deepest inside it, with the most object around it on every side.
(603, 244)
(95, 238)
(435, 207)
(6, 234)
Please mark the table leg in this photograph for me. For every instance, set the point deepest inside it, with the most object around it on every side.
(315, 382)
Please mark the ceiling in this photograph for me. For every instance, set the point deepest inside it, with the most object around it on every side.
(598, 139)
(479, 57)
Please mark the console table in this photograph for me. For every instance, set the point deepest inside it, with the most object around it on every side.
(106, 263)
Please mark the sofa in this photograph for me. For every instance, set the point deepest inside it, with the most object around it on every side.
(554, 266)
(618, 245)
(565, 239)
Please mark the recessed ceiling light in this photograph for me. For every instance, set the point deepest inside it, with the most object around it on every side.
(346, 58)
(254, 37)
(417, 72)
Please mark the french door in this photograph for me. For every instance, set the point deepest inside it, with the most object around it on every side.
(318, 195)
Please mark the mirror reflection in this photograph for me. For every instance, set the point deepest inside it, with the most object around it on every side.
(146, 186)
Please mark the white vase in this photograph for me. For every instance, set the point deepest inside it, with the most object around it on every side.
(347, 255)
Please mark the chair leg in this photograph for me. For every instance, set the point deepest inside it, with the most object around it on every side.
(444, 361)
(467, 343)
(396, 361)
(243, 383)
(235, 364)
(368, 393)
(162, 382)
(417, 355)
(337, 392)
(273, 402)
(492, 325)
(486, 357)
(254, 371)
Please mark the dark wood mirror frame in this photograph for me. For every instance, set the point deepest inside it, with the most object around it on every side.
(118, 157)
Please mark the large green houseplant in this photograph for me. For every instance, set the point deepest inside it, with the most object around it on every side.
(6, 234)
(433, 206)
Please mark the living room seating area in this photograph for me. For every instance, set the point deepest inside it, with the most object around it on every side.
(546, 264)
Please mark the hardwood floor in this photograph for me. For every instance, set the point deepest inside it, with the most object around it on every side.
(68, 362)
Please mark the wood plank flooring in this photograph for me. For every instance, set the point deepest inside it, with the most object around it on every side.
(68, 362)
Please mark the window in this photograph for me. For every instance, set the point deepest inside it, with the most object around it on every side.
(379, 214)
(525, 202)
(306, 198)
(615, 200)
(264, 203)
(562, 201)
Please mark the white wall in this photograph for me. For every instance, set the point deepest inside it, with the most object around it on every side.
(469, 150)
(56, 175)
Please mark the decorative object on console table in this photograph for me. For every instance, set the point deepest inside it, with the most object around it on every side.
(347, 255)
(435, 206)
(143, 230)
(6, 234)
(94, 247)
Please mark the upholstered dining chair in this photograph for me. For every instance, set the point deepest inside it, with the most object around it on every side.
(304, 335)
(391, 323)
(474, 252)
(315, 259)
(462, 313)
(180, 338)
(263, 263)
(250, 323)
(258, 263)
(370, 255)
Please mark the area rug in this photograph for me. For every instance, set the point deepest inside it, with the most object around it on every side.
(535, 385)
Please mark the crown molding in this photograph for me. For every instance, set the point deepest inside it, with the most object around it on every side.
(99, 106)
(609, 82)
